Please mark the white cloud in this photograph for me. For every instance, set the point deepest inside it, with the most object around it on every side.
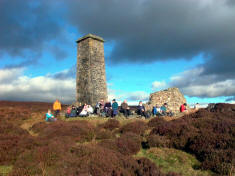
(222, 88)
(194, 84)
(138, 96)
(133, 98)
(15, 86)
(156, 85)
(41, 88)
(8, 75)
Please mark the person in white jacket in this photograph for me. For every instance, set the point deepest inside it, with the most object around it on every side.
(90, 110)
(84, 111)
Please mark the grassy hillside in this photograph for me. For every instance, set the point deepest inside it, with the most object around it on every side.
(201, 143)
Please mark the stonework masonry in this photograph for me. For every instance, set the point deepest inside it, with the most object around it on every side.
(172, 96)
(91, 80)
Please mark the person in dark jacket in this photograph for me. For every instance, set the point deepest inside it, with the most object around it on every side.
(114, 108)
(79, 109)
(108, 109)
(125, 109)
(141, 109)
(73, 112)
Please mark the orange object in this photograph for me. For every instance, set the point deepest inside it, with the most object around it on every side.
(57, 105)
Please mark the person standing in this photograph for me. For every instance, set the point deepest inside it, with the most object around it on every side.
(114, 108)
(57, 107)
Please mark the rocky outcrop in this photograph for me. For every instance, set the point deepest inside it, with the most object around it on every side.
(172, 96)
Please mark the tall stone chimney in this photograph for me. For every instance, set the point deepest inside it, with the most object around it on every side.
(91, 80)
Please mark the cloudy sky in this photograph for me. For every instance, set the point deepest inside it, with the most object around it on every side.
(150, 45)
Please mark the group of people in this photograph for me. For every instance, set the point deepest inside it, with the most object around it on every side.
(102, 108)
(184, 109)
(162, 110)
(57, 108)
(156, 110)
(79, 111)
(111, 109)
(107, 109)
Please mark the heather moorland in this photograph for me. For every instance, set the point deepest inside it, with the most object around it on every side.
(201, 143)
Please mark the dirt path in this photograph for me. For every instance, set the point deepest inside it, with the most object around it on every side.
(35, 118)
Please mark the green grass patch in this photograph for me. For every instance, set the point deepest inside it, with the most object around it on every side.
(172, 160)
(5, 170)
(95, 120)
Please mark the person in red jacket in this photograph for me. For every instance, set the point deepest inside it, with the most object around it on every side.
(183, 107)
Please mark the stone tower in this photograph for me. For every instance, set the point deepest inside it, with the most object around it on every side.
(91, 80)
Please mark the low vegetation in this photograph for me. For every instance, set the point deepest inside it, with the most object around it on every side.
(209, 135)
(190, 145)
(172, 160)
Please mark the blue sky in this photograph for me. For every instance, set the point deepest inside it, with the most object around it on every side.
(146, 49)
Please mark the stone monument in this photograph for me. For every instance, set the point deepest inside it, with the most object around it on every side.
(172, 96)
(91, 80)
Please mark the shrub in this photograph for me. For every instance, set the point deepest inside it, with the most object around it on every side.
(177, 132)
(206, 133)
(113, 163)
(148, 168)
(11, 146)
(137, 127)
(158, 141)
(103, 134)
(39, 127)
(127, 144)
(111, 124)
(42, 157)
(11, 129)
(173, 174)
(79, 130)
(81, 160)
(223, 107)
(214, 150)
(13, 141)
(155, 122)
